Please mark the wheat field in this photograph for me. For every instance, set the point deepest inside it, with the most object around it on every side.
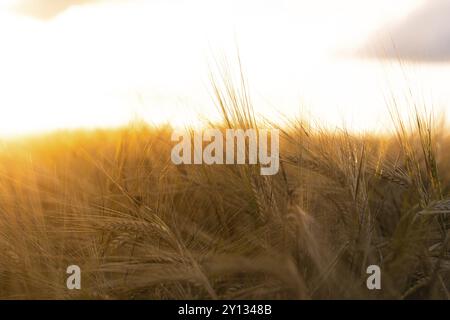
(140, 227)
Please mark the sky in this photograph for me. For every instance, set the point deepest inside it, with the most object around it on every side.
(101, 63)
(422, 36)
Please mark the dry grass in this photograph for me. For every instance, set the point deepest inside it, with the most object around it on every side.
(140, 227)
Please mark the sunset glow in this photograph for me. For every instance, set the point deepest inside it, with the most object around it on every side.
(102, 63)
(240, 153)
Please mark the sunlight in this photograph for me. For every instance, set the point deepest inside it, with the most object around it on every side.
(224, 151)
(105, 63)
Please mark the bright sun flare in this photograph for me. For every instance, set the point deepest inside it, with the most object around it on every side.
(102, 64)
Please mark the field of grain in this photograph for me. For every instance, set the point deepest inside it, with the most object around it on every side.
(140, 227)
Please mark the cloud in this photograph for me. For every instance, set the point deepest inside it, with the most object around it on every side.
(424, 35)
(47, 9)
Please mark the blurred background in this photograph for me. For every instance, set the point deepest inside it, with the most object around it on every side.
(102, 63)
